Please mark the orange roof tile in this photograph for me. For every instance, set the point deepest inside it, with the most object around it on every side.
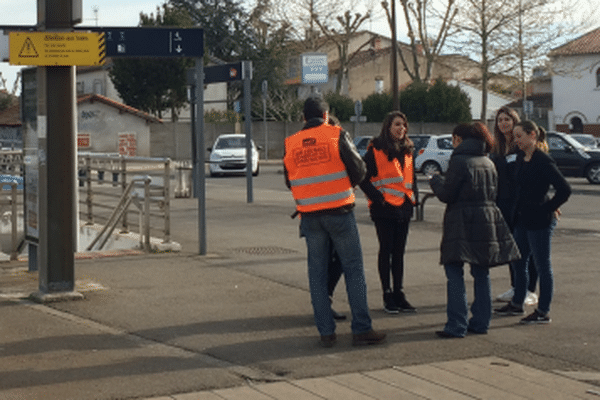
(586, 44)
(11, 116)
(123, 107)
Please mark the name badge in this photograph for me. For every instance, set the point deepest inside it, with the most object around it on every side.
(511, 158)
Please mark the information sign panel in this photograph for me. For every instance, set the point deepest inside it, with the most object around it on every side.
(314, 68)
(56, 48)
(223, 73)
(153, 42)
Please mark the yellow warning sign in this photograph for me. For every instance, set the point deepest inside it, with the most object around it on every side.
(28, 49)
(57, 48)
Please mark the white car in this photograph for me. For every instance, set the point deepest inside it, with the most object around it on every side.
(228, 155)
(433, 157)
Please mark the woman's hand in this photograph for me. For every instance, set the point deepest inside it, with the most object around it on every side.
(557, 214)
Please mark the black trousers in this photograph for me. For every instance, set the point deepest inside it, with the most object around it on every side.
(392, 235)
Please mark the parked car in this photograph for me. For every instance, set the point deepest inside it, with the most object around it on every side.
(228, 155)
(420, 141)
(574, 159)
(432, 153)
(361, 143)
(586, 139)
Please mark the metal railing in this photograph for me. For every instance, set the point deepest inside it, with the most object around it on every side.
(100, 198)
(14, 200)
(126, 199)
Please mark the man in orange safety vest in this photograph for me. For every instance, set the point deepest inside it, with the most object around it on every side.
(321, 168)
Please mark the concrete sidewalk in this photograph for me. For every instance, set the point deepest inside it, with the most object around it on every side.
(237, 322)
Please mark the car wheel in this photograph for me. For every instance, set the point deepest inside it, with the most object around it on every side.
(255, 173)
(592, 173)
(431, 168)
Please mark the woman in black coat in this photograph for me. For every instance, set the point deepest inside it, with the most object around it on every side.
(474, 230)
(534, 220)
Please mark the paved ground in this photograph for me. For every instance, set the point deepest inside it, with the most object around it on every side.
(237, 322)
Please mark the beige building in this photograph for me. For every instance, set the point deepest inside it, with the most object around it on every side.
(107, 126)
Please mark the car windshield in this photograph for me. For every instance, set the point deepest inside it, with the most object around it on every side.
(588, 141)
(557, 142)
(231, 143)
(573, 142)
(419, 141)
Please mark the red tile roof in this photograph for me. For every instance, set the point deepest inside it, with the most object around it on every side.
(122, 107)
(586, 44)
(11, 116)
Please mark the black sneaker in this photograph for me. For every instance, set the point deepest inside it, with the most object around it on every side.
(508, 310)
(536, 318)
(389, 305)
(402, 304)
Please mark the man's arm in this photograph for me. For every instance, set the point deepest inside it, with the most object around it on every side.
(356, 167)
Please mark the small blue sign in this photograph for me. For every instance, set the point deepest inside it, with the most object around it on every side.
(314, 68)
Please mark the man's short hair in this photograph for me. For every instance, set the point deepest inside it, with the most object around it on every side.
(315, 107)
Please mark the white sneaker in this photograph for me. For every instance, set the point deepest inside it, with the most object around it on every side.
(531, 299)
(506, 296)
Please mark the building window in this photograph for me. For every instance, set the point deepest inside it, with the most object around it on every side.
(378, 85)
(98, 87)
(576, 125)
(80, 87)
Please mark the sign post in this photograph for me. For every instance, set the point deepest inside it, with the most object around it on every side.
(264, 89)
(56, 160)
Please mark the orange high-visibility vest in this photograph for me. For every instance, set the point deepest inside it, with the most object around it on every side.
(317, 174)
(392, 181)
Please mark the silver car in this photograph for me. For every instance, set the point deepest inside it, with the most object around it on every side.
(433, 156)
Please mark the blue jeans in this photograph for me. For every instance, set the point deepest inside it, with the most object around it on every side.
(340, 230)
(457, 308)
(536, 243)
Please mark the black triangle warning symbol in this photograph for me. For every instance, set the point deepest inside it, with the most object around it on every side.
(28, 49)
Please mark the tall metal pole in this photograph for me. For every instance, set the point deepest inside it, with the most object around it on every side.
(395, 100)
(247, 77)
(57, 158)
(200, 177)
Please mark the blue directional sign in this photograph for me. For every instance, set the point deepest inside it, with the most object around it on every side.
(153, 42)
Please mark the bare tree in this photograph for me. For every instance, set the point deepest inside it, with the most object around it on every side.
(539, 30)
(301, 14)
(423, 44)
(510, 36)
(350, 24)
(484, 28)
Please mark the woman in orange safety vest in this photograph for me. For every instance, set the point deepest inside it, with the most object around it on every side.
(390, 186)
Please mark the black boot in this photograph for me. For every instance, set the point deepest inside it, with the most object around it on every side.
(403, 304)
(336, 315)
(389, 305)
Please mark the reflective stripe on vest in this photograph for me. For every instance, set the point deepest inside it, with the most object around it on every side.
(393, 182)
(317, 174)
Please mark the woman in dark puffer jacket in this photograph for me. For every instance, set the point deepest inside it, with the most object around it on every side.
(474, 230)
